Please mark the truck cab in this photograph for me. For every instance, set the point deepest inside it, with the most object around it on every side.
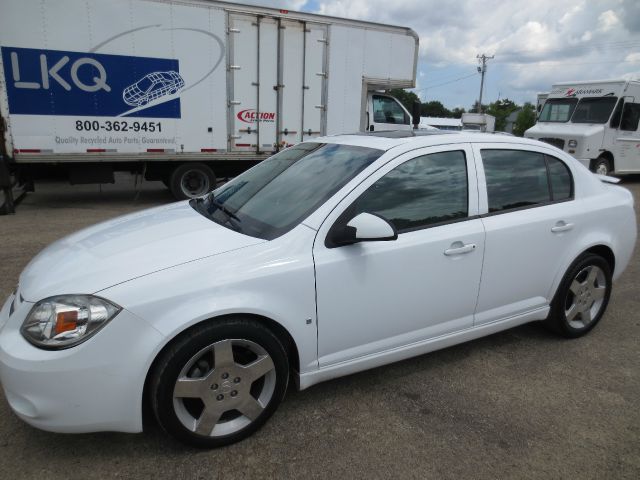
(384, 112)
(596, 122)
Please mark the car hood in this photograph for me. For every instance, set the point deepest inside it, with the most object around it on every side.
(124, 248)
(564, 130)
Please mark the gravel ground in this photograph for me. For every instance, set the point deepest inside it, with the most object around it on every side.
(519, 404)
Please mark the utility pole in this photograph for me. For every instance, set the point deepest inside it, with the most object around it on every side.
(482, 59)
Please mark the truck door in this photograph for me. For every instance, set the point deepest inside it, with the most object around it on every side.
(315, 75)
(243, 80)
(292, 36)
(386, 113)
(626, 150)
(277, 79)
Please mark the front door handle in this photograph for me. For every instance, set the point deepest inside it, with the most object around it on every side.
(458, 248)
(562, 226)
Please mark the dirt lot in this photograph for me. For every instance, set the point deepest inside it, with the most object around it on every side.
(519, 404)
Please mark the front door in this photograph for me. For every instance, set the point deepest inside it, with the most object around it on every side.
(376, 296)
(386, 113)
(626, 147)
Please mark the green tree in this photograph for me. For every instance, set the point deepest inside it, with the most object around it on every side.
(501, 109)
(457, 112)
(435, 108)
(406, 98)
(526, 119)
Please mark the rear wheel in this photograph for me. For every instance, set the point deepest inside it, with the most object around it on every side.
(191, 180)
(582, 297)
(603, 166)
(219, 383)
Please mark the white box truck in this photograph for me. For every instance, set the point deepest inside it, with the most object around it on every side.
(185, 90)
(478, 121)
(596, 122)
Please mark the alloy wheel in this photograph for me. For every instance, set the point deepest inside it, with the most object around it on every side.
(224, 387)
(585, 296)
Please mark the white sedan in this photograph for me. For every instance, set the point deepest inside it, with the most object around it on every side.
(334, 256)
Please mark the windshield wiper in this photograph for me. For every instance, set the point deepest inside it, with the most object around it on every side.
(221, 206)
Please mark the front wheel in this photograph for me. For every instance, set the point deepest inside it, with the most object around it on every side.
(219, 383)
(582, 297)
(602, 166)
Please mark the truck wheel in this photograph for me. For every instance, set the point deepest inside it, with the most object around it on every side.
(191, 180)
(602, 166)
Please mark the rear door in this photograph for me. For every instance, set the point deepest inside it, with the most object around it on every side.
(531, 220)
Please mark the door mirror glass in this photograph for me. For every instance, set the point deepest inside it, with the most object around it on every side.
(365, 227)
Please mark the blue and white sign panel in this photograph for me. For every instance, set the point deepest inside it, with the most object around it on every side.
(62, 83)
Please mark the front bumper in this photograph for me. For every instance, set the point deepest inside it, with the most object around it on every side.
(95, 386)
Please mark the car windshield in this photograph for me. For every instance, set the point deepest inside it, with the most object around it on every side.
(277, 194)
(594, 110)
(558, 110)
(144, 84)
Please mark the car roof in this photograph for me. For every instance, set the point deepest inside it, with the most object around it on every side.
(386, 140)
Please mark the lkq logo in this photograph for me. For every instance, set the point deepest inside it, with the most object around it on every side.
(54, 73)
(253, 116)
(55, 82)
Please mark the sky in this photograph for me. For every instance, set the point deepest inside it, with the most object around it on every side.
(535, 42)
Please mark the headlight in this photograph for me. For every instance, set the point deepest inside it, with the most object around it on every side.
(66, 320)
(573, 143)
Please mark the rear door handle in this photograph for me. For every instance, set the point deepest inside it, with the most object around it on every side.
(562, 226)
(458, 248)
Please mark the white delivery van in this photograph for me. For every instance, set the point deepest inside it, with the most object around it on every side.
(596, 122)
(186, 90)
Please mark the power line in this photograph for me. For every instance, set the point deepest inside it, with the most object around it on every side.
(447, 83)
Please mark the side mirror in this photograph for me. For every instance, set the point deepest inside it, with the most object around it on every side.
(365, 227)
(415, 113)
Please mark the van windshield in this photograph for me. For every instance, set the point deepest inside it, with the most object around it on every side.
(558, 110)
(276, 195)
(594, 110)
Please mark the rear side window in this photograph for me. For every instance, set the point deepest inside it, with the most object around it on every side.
(515, 179)
(520, 179)
(427, 190)
(561, 180)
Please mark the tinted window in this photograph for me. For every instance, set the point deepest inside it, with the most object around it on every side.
(277, 194)
(387, 110)
(594, 110)
(561, 182)
(424, 191)
(630, 117)
(558, 110)
(515, 179)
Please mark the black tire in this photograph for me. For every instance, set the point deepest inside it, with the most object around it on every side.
(191, 180)
(603, 166)
(178, 355)
(565, 298)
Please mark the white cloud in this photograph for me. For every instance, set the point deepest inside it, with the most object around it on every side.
(535, 43)
(607, 20)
